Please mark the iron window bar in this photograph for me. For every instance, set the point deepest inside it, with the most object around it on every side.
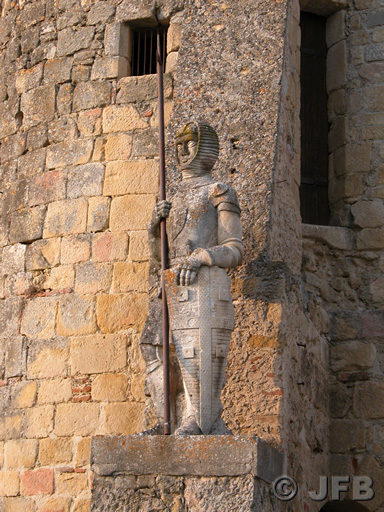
(144, 43)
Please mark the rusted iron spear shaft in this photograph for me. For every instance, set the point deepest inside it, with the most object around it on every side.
(164, 247)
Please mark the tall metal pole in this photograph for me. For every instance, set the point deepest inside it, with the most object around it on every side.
(163, 233)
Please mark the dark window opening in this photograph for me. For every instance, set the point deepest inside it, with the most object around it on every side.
(314, 121)
(144, 44)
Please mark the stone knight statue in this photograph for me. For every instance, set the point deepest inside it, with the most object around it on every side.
(204, 238)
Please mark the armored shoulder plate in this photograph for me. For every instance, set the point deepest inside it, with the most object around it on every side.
(224, 197)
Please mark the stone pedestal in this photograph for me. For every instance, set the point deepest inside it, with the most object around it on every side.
(191, 473)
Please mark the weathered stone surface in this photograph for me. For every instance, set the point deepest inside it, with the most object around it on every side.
(76, 419)
(142, 12)
(120, 312)
(368, 400)
(47, 363)
(129, 277)
(37, 481)
(12, 147)
(76, 316)
(66, 218)
(31, 14)
(98, 213)
(138, 246)
(353, 356)
(345, 326)
(20, 453)
(374, 52)
(9, 483)
(54, 391)
(134, 89)
(38, 105)
(83, 451)
(53, 504)
(110, 388)
(39, 316)
(98, 354)
(27, 225)
(174, 37)
(93, 278)
(33, 162)
(46, 187)
(118, 147)
(58, 70)
(43, 254)
(13, 258)
(70, 41)
(9, 316)
(124, 417)
(131, 177)
(117, 39)
(28, 79)
(72, 483)
(145, 144)
(109, 246)
(88, 95)
(368, 214)
(122, 118)
(19, 505)
(61, 130)
(100, 12)
(69, 153)
(89, 122)
(110, 67)
(336, 66)
(75, 249)
(8, 125)
(64, 99)
(25, 394)
(54, 451)
(85, 180)
(131, 212)
(15, 356)
(335, 237)
(38, 421)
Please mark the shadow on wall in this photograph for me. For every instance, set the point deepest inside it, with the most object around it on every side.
(344, 506)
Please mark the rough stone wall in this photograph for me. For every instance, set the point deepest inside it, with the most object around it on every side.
(78, 178)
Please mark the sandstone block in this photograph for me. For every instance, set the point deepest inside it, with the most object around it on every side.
(138, 387)
(31, 14)
(13, 258)
(373, 324)
(98, 353)
(38, 319)
(54, 391)
(118, 312)
(37, 481)
(27, 225)
(83, 452)
(134, 89)
(60, 278)
(32, 162)
(100, 12)
(117, 40)
(19, 505)
(20, 453)
(109, 246)
(9, 483)
(110, 67)
(43, 254)
(368, 214)
(12, 147)
(171, 63)
(59, 504)
(64, 99)
(75, 249)
(55, 451)
(131, 212)
(370, 238)
(15, 356)
(145, 144)
(346, 435)
(118, 147)
(71, 17)
(66, 218)
(124, 418)
(25, 394)
(368, 400)
(48, 363)
(76, 316)
(69, 153)
(110, 388)
(336, 66)
(374, 98)
(174, 37)
(89, 122)
(353, 356)
(27, 79)
(79, 419)
(122, 118)
(98, 213)
(9, 316)
(131, 177)
(70, 41)
(38, 421)
(138, 246)
(62, 130)
(47, 187)
(376, 289)
(8, 124)
(85, 180)
(93, 278)
(345, 326)
(89, 95)
(168, 109)
(38, 105)
(58, 70)
(72, 483)
(10, 427)
(82, 505)
(129, 277)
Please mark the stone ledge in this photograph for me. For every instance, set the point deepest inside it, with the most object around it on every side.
(323, 7)
(334, 236)
(186, 456)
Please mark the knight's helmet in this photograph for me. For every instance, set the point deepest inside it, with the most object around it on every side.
(207, 147)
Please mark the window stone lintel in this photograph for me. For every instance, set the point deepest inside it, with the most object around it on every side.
(323, 7)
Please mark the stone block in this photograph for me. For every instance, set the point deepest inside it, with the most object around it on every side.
(138, 246)
(13, 258)
(374, 98)
(110, 388)
(55, 451)
(335, 28)
(338, 133)
(372, 324)
(85, 180)
(130, 277)
(47, 187)
(370, 239)
(120, 312)
(60, 278)
(8, 122)
(368, 400)
(376, 289)
(145, 144)
(118, 147)
(27, 225)
(32, 162)
(174, 37)
(82, 505)
(69, 153)
(20, 453)
(124, 418)
(31, 14)
(109, 246)
(119, 118)
(337, 66)
(368, 214)
(98, 213)
(9, 316)
(38, 105)
(19, 505)
(117, 40)
(54, 391)
(89, 95)
(12, 147)
(76, 316)
(89, 122)
(11, 427)
(171, 62)
(136, 89)
(168, 109)
(59, 504)
(110, 67)
(38, 421)
(14, 198)
(71, 17)
(15, 356)
(346, 435)
(75, 249)
(70, 41)
(353, 356)
(72, 483)
(345, 326)
(36, 481)
(374, 52)
(131, 212)
(81, 419)
(47, 363)
(25, 394)
(98, 353)
(83, 452)
(66, 218)
(9, 483)
(62, 130)
(131, 177)
(58, 70)
(100, 13)
(38, 318)
(43, 254)
(64, 99)
(27, 79)
(93, 278)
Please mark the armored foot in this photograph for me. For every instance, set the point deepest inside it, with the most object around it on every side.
(189, 428)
